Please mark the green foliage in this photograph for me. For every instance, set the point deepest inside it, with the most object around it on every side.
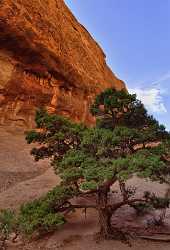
(56, 136)
(110, 105)
(153, 202)
(119, 108)
(32, 137)
(7, 222)
(126, 142)
(81, 165)
(42, 119)
(38, 216)
(157, 202)
(88, 185)
(42, 214)
(90, 156)
(142, 208)
(59, 195)
(112, 100)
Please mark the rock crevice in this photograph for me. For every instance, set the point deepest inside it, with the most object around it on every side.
(48, 59)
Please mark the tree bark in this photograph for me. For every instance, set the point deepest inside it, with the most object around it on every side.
(104, 214)
(105, 223)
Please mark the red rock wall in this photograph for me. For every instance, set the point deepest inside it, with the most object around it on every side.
(48, 59)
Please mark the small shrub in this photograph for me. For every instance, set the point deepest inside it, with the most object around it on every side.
(8, 222)
(38, 216)
(142, 208)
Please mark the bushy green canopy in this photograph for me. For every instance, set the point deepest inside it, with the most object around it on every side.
(126, 141)
(91, 156)
(113, 108)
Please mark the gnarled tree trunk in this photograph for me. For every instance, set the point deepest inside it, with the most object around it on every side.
(104, 214)
(105, 223)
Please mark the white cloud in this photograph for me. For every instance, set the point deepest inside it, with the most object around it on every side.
(152, 99)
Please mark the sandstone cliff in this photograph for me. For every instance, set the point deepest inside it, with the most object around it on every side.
(47, 59)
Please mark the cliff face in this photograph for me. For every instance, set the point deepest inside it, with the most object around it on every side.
(47, 59)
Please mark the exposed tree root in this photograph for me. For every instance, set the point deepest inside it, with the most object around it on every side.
(156, 237)
(114, 234)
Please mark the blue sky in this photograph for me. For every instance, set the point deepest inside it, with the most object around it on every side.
(135, 36)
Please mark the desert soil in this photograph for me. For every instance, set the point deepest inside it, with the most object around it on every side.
(22, 180)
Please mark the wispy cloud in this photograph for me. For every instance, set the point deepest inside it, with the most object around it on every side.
(152, 99)
(156, 83)
(162, 79)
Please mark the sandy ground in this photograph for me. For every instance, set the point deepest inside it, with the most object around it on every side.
(21, 180)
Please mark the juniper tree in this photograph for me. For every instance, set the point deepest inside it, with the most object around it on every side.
(93, 160)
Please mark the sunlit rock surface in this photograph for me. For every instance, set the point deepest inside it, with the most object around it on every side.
(48, 59)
